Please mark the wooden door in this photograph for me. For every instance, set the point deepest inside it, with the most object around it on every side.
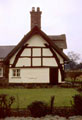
(53, 76)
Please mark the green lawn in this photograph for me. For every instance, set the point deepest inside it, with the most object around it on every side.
(24, 97)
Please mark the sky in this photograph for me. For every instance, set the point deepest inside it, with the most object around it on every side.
(58, 17)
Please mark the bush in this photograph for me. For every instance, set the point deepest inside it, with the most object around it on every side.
(64, 111)
(79, 89)
(77, 106)
(38, 109)
(66, 85)
(5, 104)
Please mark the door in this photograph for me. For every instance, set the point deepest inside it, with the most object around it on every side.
(53, 76)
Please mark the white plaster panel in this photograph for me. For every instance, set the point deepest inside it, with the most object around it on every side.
(36, 61)
(26, 52)
(47, 52)
(23, 62)
(1, 71)
(13, 57)
(59, 76)
(49, 62)
(31, 75)
(36, 40)
(60, 58)
(36, 51)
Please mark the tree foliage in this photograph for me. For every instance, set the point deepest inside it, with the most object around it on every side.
(74, 61)
(5, 104)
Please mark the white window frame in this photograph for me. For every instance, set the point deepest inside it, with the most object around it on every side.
(1, 72)
(16, 72)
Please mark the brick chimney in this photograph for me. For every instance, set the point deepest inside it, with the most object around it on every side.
(35, 17)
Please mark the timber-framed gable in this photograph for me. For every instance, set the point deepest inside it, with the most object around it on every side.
(36, 58)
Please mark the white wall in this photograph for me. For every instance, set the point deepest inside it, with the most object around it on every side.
(49, 62)
(60, 58)
(47, 52)
(59, 76)
(30, 75)
(36, 61)
(36, 40)
(23, 62)
(26, 52)
(36, 52)
(33, 75)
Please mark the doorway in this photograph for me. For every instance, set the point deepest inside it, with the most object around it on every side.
(53, 75)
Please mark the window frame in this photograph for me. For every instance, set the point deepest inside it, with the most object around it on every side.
(1, 72)
(16, 72)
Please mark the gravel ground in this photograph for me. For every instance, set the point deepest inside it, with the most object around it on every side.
(47, 117)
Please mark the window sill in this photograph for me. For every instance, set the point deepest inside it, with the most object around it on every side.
(1, 76)
(15, 77)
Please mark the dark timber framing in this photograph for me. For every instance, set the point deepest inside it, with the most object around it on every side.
(35, 31)
(41, 56)
(21, 46)
(57, 60)
(18, 54)
(31, 56)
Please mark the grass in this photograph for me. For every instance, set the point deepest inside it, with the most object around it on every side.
(24, 97)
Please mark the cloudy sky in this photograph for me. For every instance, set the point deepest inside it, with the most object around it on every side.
(58, 17)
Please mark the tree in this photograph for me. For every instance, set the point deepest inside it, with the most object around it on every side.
(79, 66)
(74, 59)
(5, 104)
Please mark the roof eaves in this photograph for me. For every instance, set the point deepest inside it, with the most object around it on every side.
(35, 30)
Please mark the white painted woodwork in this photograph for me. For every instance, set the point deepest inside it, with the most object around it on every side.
(36, 51)
(59, 76)
(1, 71)
(47, 52)
(30, 75)
(23, 62)
(26, 52)
(36, 61)
(49, 62)
(36, 40)
(60, 58)
(13, 57)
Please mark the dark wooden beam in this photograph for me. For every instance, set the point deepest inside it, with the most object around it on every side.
(18, 55)
(57, 60)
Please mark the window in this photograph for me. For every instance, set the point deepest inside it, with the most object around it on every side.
(1, 72)
(16, 72)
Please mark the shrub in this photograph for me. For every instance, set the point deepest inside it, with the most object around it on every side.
(38, 109)
(5, 104)
(79, 89)
(77, 106)
(66, 85)
(64, 111)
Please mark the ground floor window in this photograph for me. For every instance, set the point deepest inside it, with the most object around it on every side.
(16, 72)
(1, 72)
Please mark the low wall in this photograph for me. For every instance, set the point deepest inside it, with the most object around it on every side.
(73, 73)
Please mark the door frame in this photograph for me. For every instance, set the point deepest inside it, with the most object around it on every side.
(53, 81)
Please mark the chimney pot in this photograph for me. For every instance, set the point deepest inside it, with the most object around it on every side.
(33, 9)
(38, 9)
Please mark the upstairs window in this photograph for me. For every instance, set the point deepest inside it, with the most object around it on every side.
(16, 72)
(1, 72)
